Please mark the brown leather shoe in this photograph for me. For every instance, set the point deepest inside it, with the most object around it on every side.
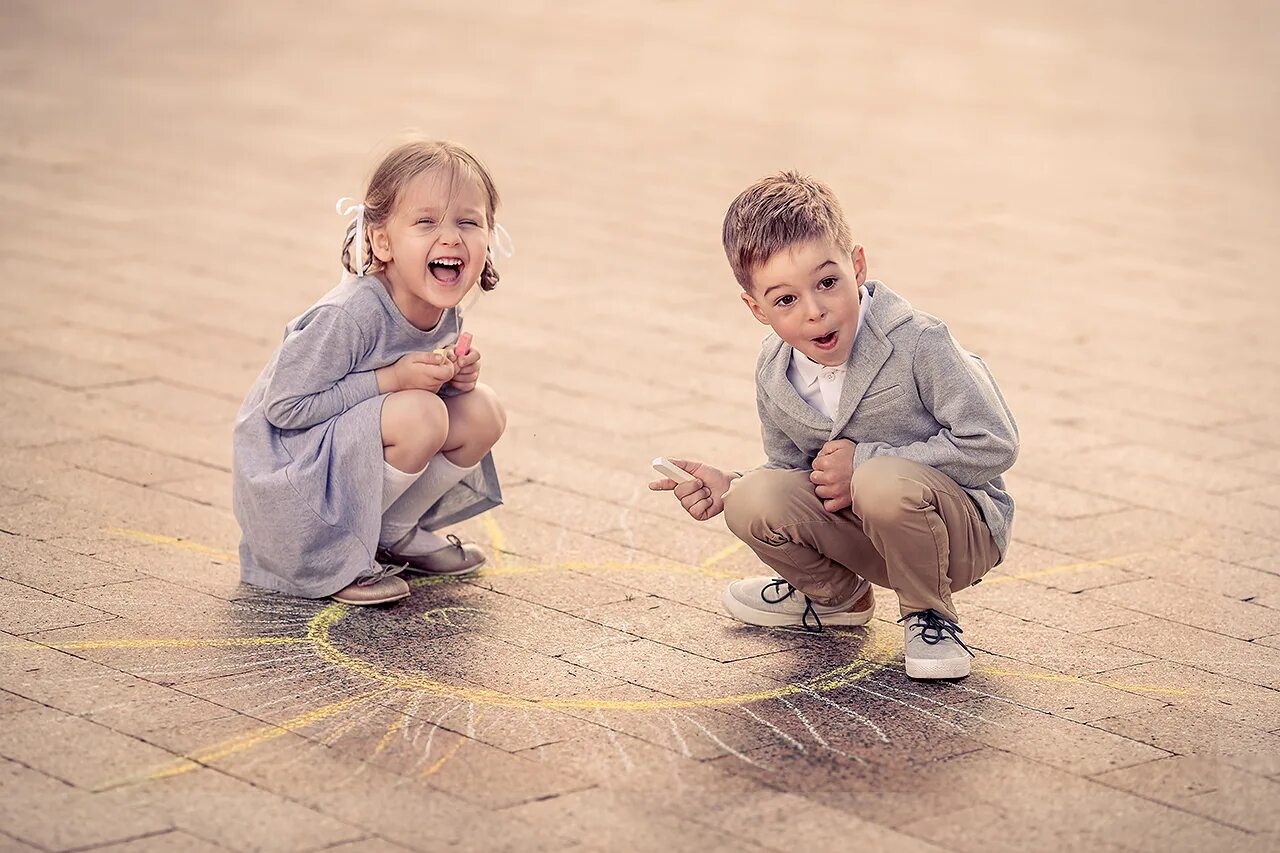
(454, 560)
(382, 588)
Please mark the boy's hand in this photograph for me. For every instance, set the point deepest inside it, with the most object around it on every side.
(468, 369)
(427, 371)
(703, 496)
(832, 474)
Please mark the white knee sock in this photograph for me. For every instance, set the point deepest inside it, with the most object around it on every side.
(395, 482)
(403, 515)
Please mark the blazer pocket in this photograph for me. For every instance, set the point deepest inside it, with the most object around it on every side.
(878, 398)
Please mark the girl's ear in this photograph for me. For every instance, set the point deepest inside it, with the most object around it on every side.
(381, 244)
(751, 303)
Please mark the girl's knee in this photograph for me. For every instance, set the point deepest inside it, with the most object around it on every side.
(479, 416)
(415, 417)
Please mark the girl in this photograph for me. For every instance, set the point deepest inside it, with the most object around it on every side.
(367, 430)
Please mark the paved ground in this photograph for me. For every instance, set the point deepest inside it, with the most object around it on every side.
(1088, 192)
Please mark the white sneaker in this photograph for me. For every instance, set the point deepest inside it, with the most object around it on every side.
(933, 648)
(774, 603)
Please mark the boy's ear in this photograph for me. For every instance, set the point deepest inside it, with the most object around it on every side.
(755, 307)
(859, 258)
(381, 244)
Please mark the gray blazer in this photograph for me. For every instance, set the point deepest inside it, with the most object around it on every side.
(911, 391)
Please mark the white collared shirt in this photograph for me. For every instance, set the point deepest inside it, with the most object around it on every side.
(820, 385)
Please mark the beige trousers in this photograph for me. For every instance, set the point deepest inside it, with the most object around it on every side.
(911, 529)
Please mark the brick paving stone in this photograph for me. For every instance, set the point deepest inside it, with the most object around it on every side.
(1141, 823)
(26, 610)
(12, 702)
(132, 464)
(1204, 785)
(162, 842)
(613, 820)
(1078, 748)
(1183, 731)
(55, 570)
(37, 738)
(82, 818)
(1056, 609)
(367, 845)
(1060, 501)
(990, 827)
(1243, 620)
(775, 819)
(236, 815)
(1201, 692)
(1201, 649)
(689, 629)
(1033, 642)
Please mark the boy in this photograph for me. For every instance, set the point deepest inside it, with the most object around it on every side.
(885, 440)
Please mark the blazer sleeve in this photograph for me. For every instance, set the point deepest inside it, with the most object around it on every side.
(979, 438)
(780, 450)
(315, 377)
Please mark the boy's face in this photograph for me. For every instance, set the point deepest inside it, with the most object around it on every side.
(808, 293)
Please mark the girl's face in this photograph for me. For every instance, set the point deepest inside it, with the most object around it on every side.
(434, 243)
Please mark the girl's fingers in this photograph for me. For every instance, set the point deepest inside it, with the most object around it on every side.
(662, 485)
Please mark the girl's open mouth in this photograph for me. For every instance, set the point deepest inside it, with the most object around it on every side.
(446, 271)
(827, 341)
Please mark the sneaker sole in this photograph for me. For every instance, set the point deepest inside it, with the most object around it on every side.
(929, 670)
(765, 619)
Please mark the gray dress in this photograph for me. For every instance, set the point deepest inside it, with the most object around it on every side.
(307, 447)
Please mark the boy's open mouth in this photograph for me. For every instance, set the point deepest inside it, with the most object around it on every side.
(827, 341)
(446, 270)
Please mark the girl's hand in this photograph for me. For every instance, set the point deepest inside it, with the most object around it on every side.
(701, 497)
(427, 371)
(468, 370)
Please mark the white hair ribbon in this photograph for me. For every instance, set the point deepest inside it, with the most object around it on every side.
(502, 241)
(358, 210)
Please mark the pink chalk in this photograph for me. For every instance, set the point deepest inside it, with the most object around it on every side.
(464, 345)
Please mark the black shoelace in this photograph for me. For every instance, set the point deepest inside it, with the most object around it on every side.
(809, 613)
(933, 628)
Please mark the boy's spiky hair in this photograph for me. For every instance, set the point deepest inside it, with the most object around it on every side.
(777, 212)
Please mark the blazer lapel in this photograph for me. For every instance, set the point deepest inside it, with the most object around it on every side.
(783, 393)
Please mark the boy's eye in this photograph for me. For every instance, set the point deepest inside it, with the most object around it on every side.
(828, 282)
(784, 301)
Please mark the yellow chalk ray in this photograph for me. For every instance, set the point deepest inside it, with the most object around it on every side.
(453, 750)
(178, 643)
(248, 740)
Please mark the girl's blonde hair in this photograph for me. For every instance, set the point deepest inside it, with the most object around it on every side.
(395, 171)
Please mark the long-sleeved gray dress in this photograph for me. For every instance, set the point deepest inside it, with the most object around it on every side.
(307, 446)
